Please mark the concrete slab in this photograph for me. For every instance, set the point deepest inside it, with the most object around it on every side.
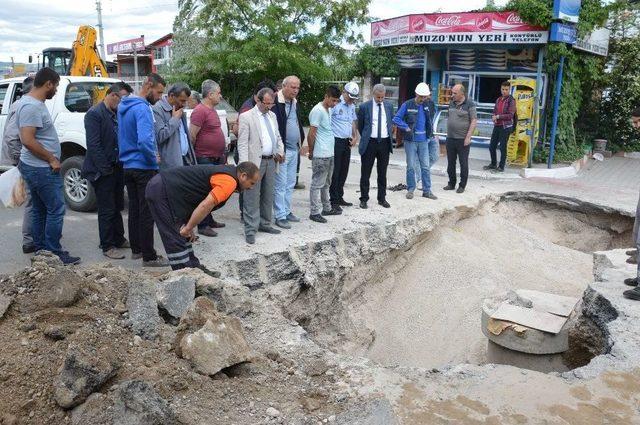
(530, 318)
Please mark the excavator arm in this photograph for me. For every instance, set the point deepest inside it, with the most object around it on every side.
(85, 60)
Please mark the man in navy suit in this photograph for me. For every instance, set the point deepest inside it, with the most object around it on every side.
(374, 124)
(103, 169)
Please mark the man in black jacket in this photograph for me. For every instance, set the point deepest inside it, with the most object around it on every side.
(102, 169)
(287, 112)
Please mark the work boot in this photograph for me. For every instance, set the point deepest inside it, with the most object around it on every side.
(251, 239)
(632, 294)
(160, 261)
(409, 195)
(114, 254)
(292, 218)
(207, 231)
(429, 195)
(68, 260)
(632, 260)
(632, 252)
(283, 224)
(363, 205)
(632, 281)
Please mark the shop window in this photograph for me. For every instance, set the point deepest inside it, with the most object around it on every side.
(489, 87)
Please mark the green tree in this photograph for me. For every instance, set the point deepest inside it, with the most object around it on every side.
(621, 83)
(582, 74)
(241, 42)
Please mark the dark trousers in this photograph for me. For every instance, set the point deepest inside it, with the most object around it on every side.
(208, 220)
(110, 196)
(499, 138)
(341, 157)
(376, 150)
(456, 150)
(140, 219)
(179, 250)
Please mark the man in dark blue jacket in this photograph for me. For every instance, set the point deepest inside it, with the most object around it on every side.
(374, 125)
(414, 119)
(139, 157)
(103, 169)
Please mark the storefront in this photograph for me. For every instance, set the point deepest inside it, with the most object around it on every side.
(478, 50)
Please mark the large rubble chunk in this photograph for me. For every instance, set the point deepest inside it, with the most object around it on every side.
(209, 340)
(84, 371)
(137, 403)
(175, 294)
(143, 309)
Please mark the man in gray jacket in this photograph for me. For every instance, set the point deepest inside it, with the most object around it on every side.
(11, 146)
(172, 132)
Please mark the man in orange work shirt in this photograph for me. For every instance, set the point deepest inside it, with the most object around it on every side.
(180, 198)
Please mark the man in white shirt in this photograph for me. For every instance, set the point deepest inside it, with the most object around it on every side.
(259, 141)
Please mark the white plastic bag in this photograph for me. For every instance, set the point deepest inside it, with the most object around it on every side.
(12, 188)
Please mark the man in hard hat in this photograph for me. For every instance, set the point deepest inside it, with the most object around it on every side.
(414, 119)
(344, 123)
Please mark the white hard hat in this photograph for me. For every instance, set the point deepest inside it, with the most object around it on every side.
(422, 89)
(352, 89)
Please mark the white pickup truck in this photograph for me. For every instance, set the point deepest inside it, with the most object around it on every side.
(74, 97)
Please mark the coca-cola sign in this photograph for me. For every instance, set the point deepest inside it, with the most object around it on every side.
(448, 21)
(514, 18)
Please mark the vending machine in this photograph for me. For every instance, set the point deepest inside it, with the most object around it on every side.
(518, 148)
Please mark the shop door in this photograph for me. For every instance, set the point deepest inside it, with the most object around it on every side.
(414, 77)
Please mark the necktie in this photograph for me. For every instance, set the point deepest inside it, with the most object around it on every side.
(379, 121)
(272, 136)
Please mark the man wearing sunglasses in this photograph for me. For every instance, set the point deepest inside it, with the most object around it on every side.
(259, 141)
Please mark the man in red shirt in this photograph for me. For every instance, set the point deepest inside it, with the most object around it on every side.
(209, 142)
(180, 198)
(503, 125)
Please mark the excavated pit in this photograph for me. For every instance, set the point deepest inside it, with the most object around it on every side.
(421, 306)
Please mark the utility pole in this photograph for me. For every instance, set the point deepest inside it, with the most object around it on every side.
(100, 29)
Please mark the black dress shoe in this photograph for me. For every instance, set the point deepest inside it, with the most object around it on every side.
(449, 187)
(217, 225)
(632, 294)
(489, 167)
(269, 229)
(344, 203)
(460, 190)
(332, 211)
(317, 218)
(632, 281)
(385, 204)
(363, 205)
(28, 249)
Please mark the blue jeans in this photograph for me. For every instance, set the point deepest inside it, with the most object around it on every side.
(418, 153)
(434, 155)
(47, 212)
(285, 181)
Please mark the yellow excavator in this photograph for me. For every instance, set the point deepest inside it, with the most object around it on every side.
(81, 60)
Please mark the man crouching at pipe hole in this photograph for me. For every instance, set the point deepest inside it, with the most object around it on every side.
(180, 198)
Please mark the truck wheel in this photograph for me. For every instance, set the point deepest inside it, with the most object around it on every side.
(78, 192)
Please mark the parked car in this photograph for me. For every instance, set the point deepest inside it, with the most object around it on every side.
(67, 108)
